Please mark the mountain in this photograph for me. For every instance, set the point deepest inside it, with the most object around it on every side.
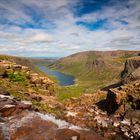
(23, 94)
(30, 107)
(94, 69)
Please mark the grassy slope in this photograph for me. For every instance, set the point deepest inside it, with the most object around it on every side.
(90, 80)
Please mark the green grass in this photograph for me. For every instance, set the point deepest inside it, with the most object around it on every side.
(64, 93)
(18, 94)
(16, 77)
(88, 81)
(5, 57)
(46, 109)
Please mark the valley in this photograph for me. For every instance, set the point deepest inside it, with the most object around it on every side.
(93, 70)
(104, 104)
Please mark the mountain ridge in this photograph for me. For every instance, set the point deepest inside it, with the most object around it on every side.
(96, 68)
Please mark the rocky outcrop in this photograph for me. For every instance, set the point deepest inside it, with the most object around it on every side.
(19, 121)
(10, 106)
(131, 71)
(11, 68)
(105, 114)
(111, 116)
(122, 98)
(95, 64)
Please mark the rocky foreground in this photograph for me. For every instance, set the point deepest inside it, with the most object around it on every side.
(23, 94)
(19, 121)
(112, 114)
(117, 116)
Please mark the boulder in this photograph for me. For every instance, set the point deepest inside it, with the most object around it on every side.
(17, 67)
(24, 68)
(25, 105)
(5, 65)
(114, 99)
(35, 80)
(130, 72)
(67, 134)
(110, 134)
(31, 127)
(7, 110)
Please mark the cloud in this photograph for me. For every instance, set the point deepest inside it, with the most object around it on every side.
(49, 27)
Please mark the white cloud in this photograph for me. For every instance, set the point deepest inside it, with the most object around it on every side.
(67, 37)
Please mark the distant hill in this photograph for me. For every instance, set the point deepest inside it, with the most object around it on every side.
(26, 61)
(94, 69)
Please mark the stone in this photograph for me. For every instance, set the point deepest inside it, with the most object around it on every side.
(24, 68)
(66, 134)
(109, 134)
(17, 67)
(74, 138)
(134, 120)
(5, 96)
(5, 65)
(131, 66)
(116, 123)
(1, 133)
(133, 114)
(34, 127)
(101, 121)
(135, 129)
(125, 128)
(137, 125)
(126, 122)
(26, 102)
(7, 110)
(25, 105)
(2, 119)
(34, 74)
(35, 80)
(126, 134)
(69, 113)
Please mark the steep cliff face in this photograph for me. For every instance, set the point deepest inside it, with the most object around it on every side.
(131, 71)
(95, 64)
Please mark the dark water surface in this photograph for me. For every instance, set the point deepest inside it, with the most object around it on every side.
(64, 79)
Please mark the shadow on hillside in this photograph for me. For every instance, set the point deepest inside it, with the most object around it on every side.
(102, 105)
(109, 104)
(109, 107)
(112, 86)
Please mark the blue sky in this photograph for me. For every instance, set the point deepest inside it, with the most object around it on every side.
(57, 28)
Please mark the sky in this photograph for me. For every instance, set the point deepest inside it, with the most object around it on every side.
(58, 28)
